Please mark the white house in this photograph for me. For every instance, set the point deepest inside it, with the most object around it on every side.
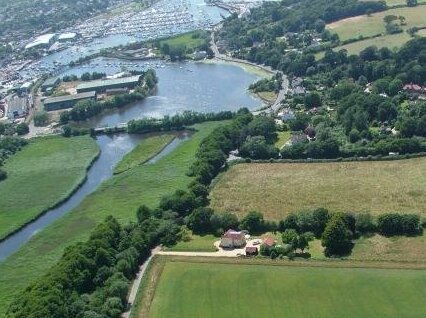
(232, 239)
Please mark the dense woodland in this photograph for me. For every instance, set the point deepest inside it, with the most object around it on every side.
(354, 105)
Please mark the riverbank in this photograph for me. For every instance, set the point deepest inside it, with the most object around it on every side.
(256, 70)
(119, 196)
(35, 187)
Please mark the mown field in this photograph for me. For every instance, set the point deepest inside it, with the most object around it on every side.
(278, 189)
(367, 26)
(143, 152)
(228, 290)
(119, 196)
(44, 173)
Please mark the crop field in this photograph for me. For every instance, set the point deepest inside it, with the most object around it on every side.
(367, 26)
(186, 289)
(143, 152)
(277, 189)
(391, 41)
(43, 173)
(119, 196)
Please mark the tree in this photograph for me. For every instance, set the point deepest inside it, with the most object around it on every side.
(252, 222)
(290, 237)
(199, 220)
(313, 100)
(22, 129)
(337, 238)
(143, 213)
(411, 3)
(41, 118)
(257, 148)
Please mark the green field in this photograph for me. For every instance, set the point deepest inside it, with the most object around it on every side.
(352, 28)
(391, 41)
(277, 189)
(186, 39)
(225, 290)
(283, 137)
(44, 173)
(120, 196)
(143, 152)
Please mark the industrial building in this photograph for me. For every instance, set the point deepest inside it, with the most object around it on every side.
(42, 41)
(67, 37)
(50, 84)
(100, 86)
(67, 101)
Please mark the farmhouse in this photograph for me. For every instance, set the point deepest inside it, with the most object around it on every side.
(233, 238)
(269, 241)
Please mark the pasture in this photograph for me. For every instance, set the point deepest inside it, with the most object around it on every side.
(279, 188)
(42, 174)
(119, 196)
(197, 289)
(352, 28)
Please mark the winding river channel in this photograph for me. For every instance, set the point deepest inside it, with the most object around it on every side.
(182, 86)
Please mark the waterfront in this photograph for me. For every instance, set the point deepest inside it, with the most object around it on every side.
(200, 87)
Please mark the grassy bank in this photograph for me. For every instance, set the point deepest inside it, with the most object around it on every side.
(376, 187)
(146, 149)
(188, 289)
(40, 176)
(119, 196)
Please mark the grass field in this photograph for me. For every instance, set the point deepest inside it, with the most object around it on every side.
(143, 152)
(196, 244)
(226, 290)
(119, 196)
(44, 173)
(392, 41)
(278, 189)
(367, 26)
(186, 39)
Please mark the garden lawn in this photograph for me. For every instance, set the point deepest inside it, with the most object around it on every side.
(42, 174)
(196, 244)
(283, 137)
(186, 39)
(148, 148)
(226, 290)
(119, 196)
(276, 189)
(352, 28)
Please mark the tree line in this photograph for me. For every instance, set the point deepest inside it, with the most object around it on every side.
(8, 147)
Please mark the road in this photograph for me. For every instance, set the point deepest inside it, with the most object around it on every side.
(136, 283)
(275, 107)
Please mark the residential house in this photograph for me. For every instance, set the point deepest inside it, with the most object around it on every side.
(233, 239)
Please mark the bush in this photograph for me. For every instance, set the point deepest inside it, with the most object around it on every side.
(41, 119)
(22, 129)
(337, 238)
(3, 175)
(391, 224)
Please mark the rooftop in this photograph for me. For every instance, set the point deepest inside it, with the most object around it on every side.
(107, 82)
(64, 98)
(42, 39)
(67, 36)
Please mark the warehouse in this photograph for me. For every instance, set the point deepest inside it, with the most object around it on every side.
(50, 84)
(42, 41)
(101, 86)
(67, 101)
(67, 37)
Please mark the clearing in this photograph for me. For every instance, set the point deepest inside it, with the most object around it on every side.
(119, 196)
(42, 174)
(364, 25)
(277, 189)
(236, 288)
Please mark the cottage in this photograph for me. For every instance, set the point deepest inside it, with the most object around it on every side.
(269, 241)
(232, 239)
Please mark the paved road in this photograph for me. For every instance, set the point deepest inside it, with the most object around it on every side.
(274, 108)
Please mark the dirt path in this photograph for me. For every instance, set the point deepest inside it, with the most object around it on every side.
(136, 283)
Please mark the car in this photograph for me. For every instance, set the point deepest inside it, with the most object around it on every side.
(257, 242)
